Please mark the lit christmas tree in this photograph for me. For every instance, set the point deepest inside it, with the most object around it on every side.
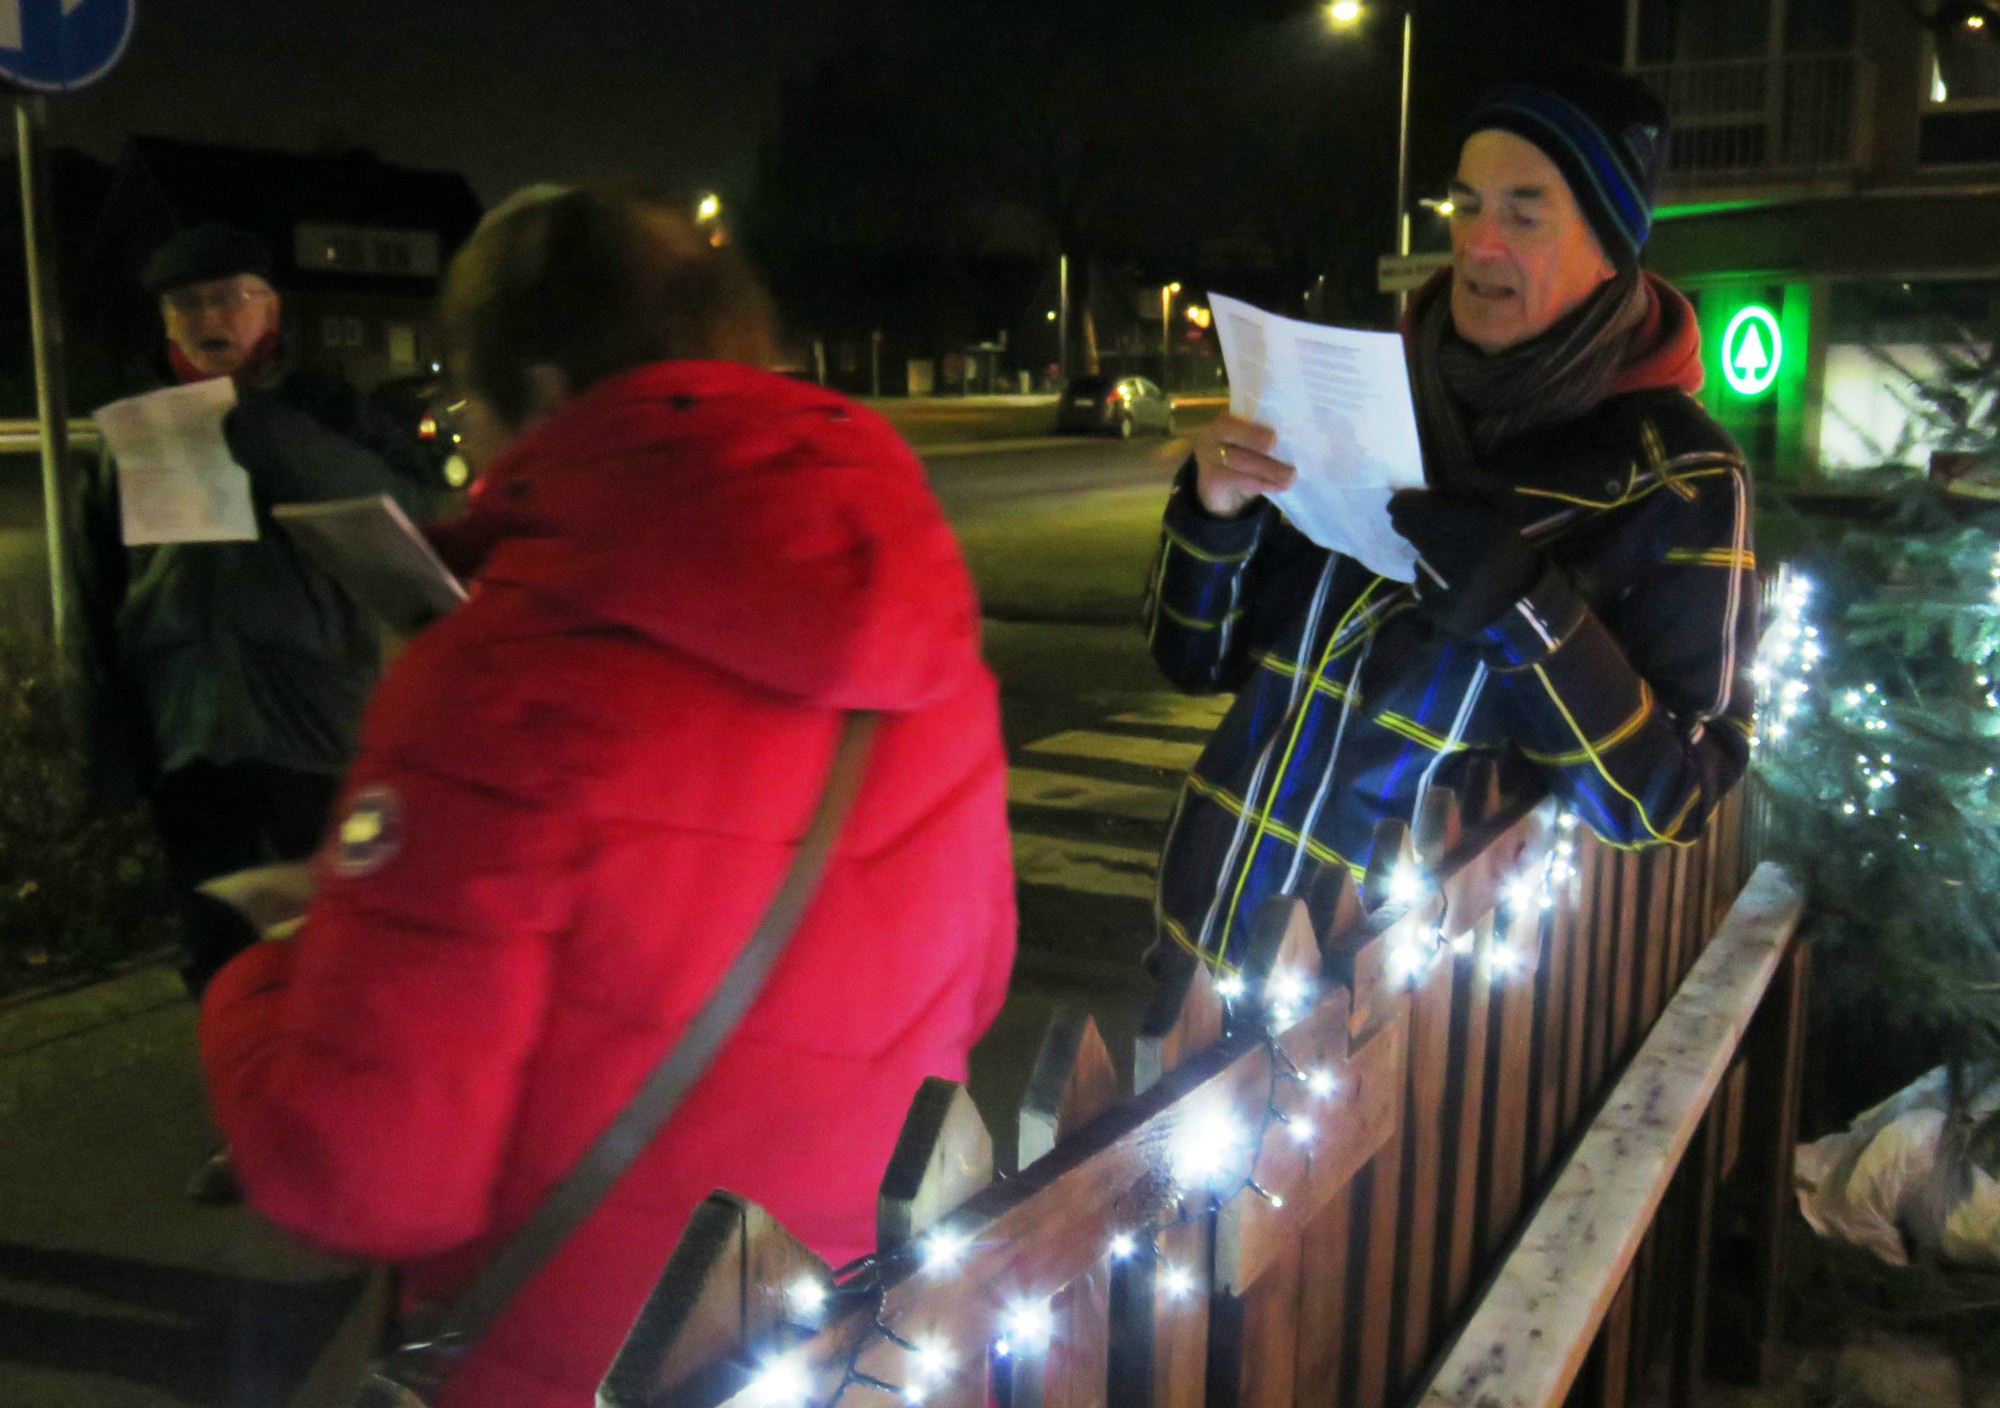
(1879, 724)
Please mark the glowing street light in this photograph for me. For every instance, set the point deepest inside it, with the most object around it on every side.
(1346, 15)
(709, 208)
(1167, 292)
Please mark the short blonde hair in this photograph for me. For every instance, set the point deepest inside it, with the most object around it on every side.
(593, 282)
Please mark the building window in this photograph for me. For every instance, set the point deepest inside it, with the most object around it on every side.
(343, 330)
(402, 346)
(1965, 65)
(1904, 373)
(361, 249)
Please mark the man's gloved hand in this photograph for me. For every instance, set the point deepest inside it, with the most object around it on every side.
(1485, 563)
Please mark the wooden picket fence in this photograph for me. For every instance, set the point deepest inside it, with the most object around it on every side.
(1318, 1191)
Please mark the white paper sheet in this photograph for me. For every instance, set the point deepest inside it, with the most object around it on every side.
(1340, 403)
(176, 481)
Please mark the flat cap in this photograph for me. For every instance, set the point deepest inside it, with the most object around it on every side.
(203, 253)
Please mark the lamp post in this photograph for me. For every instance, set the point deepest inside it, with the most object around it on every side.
(1167, 292)
(1346, 14)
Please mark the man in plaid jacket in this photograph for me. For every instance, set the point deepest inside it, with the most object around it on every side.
(1586, 606)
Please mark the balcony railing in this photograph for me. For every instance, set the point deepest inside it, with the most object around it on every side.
(1742, 120)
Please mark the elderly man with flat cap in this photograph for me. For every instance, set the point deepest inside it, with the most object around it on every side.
(1586, 607)
(225, 681)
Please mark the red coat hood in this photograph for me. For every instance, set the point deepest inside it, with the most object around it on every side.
(774, 530)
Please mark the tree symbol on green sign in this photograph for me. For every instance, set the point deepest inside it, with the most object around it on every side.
(1751, 350)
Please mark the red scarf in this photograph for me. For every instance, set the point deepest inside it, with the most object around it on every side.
(261, 356)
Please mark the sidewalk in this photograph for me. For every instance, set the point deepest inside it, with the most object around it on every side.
(117, 1292)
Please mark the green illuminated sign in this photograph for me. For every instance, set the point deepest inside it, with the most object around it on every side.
(1752, 347)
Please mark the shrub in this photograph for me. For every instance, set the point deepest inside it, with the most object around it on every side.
(79, 892)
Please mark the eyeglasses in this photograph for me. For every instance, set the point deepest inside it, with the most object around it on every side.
(189, 302)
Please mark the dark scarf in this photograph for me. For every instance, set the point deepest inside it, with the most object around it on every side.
(1469, 402)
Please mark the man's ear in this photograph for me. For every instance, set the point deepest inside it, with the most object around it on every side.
(548, 390)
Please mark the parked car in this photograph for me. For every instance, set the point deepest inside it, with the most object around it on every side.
(1102, 405)
(418, 405)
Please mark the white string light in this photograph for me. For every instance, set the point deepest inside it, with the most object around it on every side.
(781, 1383)
(1214, 1152)
(1207, 1146)
(807, 1298)
(942, 1249)
(1028, 1327)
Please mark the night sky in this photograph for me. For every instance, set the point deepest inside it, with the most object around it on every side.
(671, 92)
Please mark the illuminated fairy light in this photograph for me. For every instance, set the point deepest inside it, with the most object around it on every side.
(1229, 986)
(1177, 1281)
(1124, 1247)
(1409, 957)
(1207, 1147)
(1463, 943)
(806, 1296)
(933, 1363)
(1321, 1083)
(942, 1249)
(1302, 1131)
(1287, 988)
(1287, 994)
(781, 1383)
(1028, 1326)
(1406, 884)
(1504, 960)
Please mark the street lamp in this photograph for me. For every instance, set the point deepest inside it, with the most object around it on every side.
(1167, 292)
(708, 211)
(1346, 14)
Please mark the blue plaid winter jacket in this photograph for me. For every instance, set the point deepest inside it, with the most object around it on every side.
(1619, 682)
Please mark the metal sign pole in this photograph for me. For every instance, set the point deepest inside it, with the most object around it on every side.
(45, 313)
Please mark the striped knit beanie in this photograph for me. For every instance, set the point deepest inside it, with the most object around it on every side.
(1607, 135)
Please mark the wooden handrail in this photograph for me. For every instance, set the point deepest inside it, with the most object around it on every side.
(1528, 1336)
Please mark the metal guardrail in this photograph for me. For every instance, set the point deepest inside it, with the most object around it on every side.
(1738, 118)
(24, 437)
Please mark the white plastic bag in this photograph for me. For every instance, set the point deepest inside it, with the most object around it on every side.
(1882, 1184)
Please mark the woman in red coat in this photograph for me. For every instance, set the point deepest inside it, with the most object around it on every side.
(576, 795)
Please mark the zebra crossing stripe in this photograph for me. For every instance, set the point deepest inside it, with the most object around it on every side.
(1084, 867)
(1070, 791)
(1165, 753)
(1179, 711)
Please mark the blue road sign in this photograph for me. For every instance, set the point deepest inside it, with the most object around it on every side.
(52, 46)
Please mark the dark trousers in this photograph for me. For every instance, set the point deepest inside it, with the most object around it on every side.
(214, 819)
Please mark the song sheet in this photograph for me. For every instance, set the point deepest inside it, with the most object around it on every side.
(176, 481)
(1340, 403)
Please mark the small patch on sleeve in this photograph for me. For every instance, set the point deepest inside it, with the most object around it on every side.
(369, 833)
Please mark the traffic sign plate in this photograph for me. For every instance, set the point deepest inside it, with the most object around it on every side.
(53, 46)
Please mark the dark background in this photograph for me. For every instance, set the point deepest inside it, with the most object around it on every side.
(897, 165)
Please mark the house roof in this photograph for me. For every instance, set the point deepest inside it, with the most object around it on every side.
(270, 193)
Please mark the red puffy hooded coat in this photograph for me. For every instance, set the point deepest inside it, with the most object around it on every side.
(573, 801)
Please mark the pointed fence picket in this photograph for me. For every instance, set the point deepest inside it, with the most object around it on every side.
(1320, 1176)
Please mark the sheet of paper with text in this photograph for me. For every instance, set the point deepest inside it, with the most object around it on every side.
(1340, 403)
(176, 481)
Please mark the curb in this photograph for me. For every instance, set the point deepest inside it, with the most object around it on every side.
(30, 1021)
(958, 449)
